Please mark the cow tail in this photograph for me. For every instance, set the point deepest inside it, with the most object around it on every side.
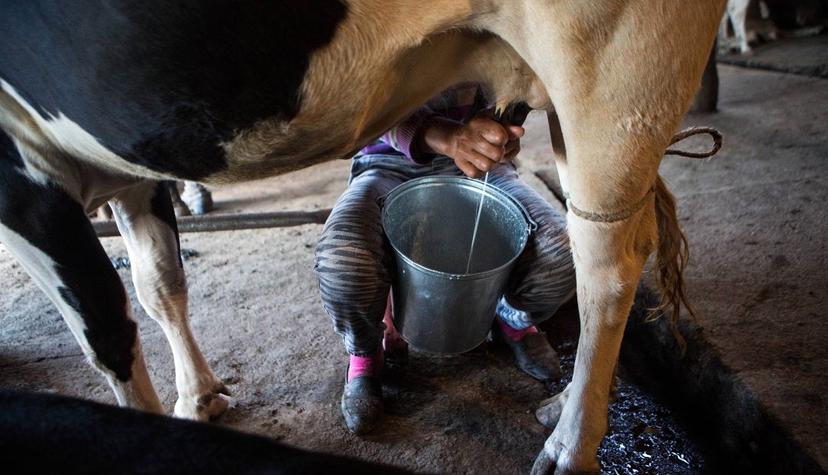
(672, 255)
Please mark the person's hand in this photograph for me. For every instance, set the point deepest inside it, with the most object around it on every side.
(477, 146)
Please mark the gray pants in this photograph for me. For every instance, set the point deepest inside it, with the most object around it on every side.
(354, 262)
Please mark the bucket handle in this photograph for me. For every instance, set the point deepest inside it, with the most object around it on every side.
(533, 226)
(381, 200)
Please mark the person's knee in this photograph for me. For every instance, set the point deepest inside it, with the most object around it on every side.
(555, 257)
(567, 277)
(552, 242)
(550, 276)
(345, 259)
(350, 246)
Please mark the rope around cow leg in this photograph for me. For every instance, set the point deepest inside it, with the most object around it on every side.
(614, 216)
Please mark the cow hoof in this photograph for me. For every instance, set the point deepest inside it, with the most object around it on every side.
(543, 464)
(556, 462)
(205, 407)
(550, 409)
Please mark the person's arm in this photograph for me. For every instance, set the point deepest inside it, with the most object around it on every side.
(403, 136)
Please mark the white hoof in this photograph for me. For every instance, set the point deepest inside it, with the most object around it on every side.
(543, 464)
(204, 407)
(553, 459)
(550, 409)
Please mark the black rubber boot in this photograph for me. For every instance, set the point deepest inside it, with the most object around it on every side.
(362, 404)
(534, 355)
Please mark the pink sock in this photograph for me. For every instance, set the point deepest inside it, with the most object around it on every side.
(515, 335)
(365, 365)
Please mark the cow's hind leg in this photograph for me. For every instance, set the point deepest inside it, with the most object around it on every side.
(620, 91)
(145, 218)
(48, 232)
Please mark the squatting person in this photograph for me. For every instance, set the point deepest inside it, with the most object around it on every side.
(452, 135)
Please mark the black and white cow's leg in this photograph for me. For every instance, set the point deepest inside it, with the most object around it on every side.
(145, 218)
(180, 207)
(47, 230)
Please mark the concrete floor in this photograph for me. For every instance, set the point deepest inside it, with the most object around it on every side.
(756, 226)
(756, 223)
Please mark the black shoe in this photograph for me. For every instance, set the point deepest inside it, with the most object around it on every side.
(534, 355)
(362, 404)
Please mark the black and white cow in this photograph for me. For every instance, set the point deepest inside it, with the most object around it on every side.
(96, 98)
(101, 99)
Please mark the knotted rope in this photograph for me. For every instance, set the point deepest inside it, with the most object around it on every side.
(691, 131)
(623, 214)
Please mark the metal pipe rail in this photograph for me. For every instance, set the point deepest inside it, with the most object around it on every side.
(230, 222)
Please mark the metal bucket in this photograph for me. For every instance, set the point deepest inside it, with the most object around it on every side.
(438, 306)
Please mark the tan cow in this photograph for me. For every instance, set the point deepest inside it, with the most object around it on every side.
(99, 98)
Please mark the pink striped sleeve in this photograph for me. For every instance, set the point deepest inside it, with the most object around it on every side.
(402, 136)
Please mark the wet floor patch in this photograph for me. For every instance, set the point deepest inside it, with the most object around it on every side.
(643, 438)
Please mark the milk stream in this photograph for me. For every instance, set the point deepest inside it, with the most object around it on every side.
(477, 220)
